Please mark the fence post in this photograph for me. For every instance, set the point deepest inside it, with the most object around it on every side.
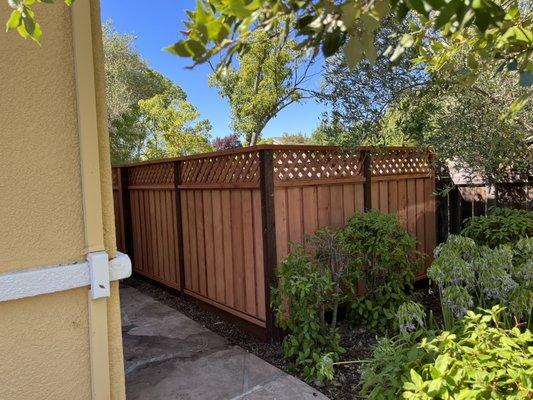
(125, 209)
(456, 210)
(367, 173)
(266, 171)
(179, 226)
(443, 220)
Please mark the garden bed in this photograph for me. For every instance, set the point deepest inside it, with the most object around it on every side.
(358, 342)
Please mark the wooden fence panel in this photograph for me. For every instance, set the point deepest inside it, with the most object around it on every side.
(152, 197)
(314, 188)
(222, 233)
(320, 188)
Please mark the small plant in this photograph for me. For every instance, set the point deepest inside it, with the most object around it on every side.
(385, 258)
(477, 360)
(411, 317)
(384, 374)
(471, 276)
(311, 285)
(502, 226)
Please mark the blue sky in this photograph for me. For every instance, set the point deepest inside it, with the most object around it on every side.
(156, 24)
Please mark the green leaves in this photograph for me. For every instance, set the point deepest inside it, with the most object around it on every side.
(22, 18)
(501, 32)
(14, 20)
(332, 42)
(353, 52)
(188, 48)
(478, 360)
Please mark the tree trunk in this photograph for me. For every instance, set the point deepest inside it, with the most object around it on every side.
(253, 139)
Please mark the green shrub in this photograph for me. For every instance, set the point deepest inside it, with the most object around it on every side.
(502, 226)
(384, 256)
(471, 276)
(309, 286)
(477, 360)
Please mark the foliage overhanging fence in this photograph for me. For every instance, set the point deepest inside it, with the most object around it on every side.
(214, 226)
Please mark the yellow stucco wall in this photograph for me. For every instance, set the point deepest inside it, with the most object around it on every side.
(44, 346)
(44, 342)
(40, 190)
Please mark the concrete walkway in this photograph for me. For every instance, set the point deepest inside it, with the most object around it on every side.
(168, 356)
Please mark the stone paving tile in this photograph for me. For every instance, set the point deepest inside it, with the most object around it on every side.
(168, 356)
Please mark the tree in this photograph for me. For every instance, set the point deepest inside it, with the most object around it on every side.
(358, 97)
(172, 127)
(464, 124)
(227, 142)
(148, 114)
(489, 29)
(298, 138)
(270, 76)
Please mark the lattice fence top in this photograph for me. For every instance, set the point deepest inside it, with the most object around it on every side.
(223, 169)
(151, 174)
(311, 164)
(290, 164)
(401, 161)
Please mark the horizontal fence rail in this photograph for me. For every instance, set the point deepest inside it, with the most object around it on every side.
(214, 226)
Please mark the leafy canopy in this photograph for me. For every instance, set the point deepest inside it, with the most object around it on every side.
(270, 76)
(486, 29)
(490, 29)
(149, 116)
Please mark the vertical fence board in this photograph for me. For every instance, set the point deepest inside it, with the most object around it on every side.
(186, 240)
(310, 214)
(218, 244)
(420, 214)
(430, 218)
(191, 209)
(336, 206)
(237, 243)
(282, 236)
(200, 240)
(359, 198)
(248, 247)
(383, 197)
(259, 256)
(228, 249)
(348, 201)
(393, 197)
(294, 211)
(209, 243)
(411, 206)
(324, 206)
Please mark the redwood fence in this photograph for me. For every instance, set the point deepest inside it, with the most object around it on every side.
(214, 226)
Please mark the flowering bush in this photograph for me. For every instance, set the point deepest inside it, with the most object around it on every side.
(478, 359)
(471, 276)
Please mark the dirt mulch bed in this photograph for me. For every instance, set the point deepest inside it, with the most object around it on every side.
(357, 342)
